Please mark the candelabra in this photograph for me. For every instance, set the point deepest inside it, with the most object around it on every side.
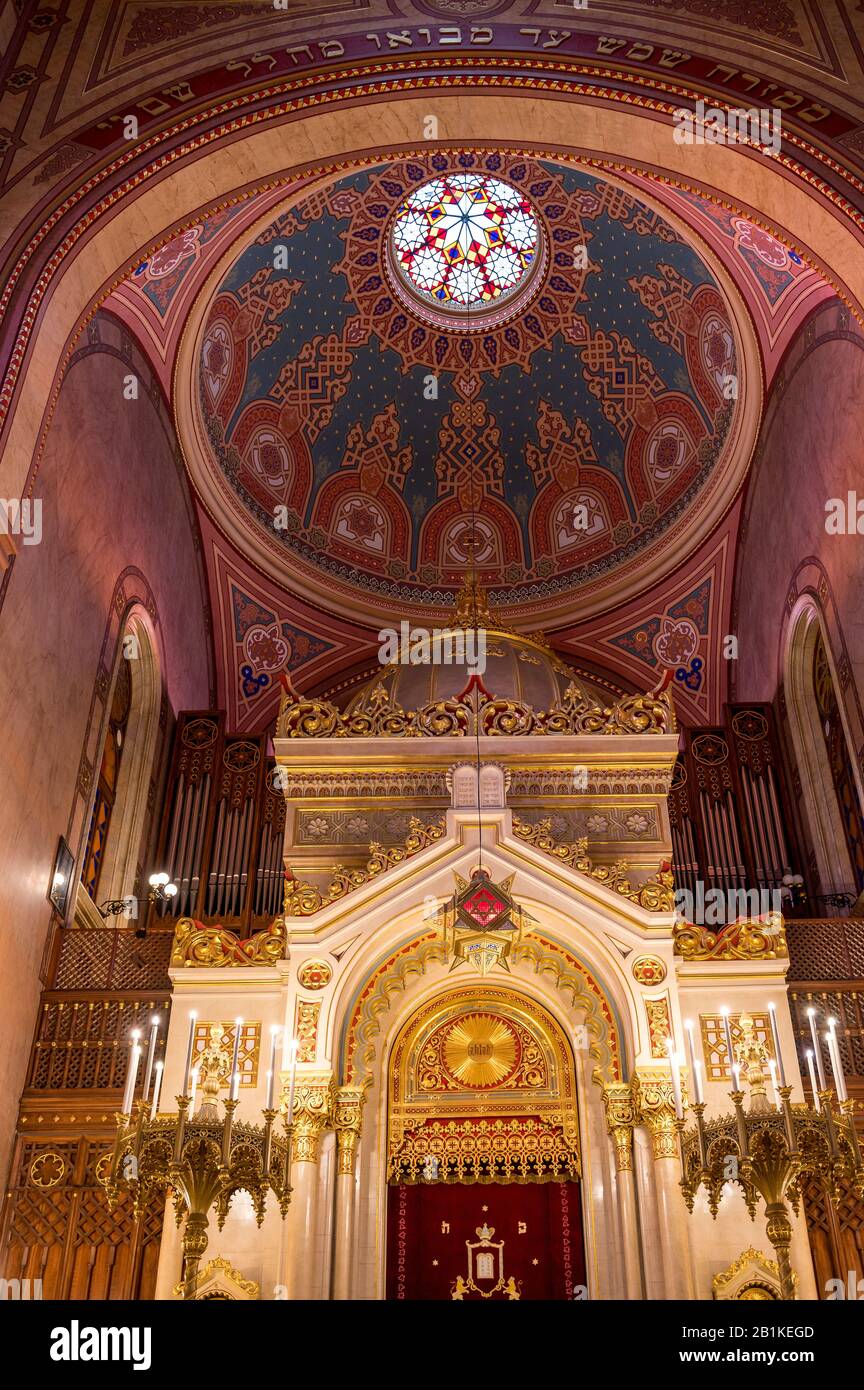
(202, 1159)
(768, 1149)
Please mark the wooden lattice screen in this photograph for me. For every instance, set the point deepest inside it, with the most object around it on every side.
(56, 1225)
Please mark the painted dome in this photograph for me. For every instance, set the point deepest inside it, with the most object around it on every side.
(470, 359)
(515, 667)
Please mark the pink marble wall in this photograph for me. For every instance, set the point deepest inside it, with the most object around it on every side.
(812, 449)
(113, 497)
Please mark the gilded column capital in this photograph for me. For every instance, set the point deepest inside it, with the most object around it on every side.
(314, 1105)
(654, 1101)
(348, 1121)
(620, 1119)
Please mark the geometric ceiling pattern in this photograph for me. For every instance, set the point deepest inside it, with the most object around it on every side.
(260, 631)
(779, 288)
(389, 452)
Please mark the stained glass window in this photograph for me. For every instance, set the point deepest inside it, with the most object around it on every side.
(106, 787)
(465, 240)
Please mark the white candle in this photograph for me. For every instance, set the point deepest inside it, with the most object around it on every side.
(841, 1076)
(776, 1037)
(817, 1051)
(727, 1032)
(294, 1047)
(234, 1089)
(131, 1074)
(697, 1082)
(157, 1089)
(187, 1067)
(271, 1075)
(195, 1072)
(691, 1054)
(772, 1067)
(836, 1064)
(151, 1051)
(829, 1041)
(676, 1078)
(736, 1076)
(813, 1087)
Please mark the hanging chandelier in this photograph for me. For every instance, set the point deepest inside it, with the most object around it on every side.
(481, 922)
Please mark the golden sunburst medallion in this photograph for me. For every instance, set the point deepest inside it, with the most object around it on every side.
(481, 1051)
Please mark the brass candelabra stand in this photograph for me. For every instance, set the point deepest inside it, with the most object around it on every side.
(204, 1161)
(769, 1150)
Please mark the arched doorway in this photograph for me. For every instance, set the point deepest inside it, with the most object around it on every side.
(483, 1155)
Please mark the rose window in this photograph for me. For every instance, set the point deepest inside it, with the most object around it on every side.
(463, 244)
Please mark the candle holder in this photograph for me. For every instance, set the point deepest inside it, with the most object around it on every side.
(203, 1161)
(768, 1152)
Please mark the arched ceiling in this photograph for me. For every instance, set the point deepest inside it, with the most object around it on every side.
(556, 439)
(237, 104)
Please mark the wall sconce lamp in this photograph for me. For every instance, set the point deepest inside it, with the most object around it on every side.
(160, 893)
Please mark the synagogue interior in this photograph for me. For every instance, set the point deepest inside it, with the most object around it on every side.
(432, 650)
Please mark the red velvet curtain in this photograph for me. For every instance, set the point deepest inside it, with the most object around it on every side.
(536, 1250)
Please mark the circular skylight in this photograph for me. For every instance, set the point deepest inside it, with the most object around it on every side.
(465, 242)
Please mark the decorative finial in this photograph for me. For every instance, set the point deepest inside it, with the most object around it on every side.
(471, 608)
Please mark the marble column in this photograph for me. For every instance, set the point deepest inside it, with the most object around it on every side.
(654, 1103)
(348, 1120)
(620, 1119)
(313, 1111)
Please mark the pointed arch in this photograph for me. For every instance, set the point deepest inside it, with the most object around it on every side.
(138, 661)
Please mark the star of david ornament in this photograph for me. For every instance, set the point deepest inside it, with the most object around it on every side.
(482, 922)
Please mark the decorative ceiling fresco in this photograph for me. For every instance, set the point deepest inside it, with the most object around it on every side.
(779, 287)
(64, 158)
(547, 432)
(674, 634)
(155, 299)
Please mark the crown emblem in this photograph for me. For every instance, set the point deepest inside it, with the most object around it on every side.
(485, 1232)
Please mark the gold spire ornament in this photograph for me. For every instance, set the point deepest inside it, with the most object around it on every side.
(471, 608)
(471, 611)
(214, 1071)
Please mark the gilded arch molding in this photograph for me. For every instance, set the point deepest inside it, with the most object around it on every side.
(539, 952)
(243, 157)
